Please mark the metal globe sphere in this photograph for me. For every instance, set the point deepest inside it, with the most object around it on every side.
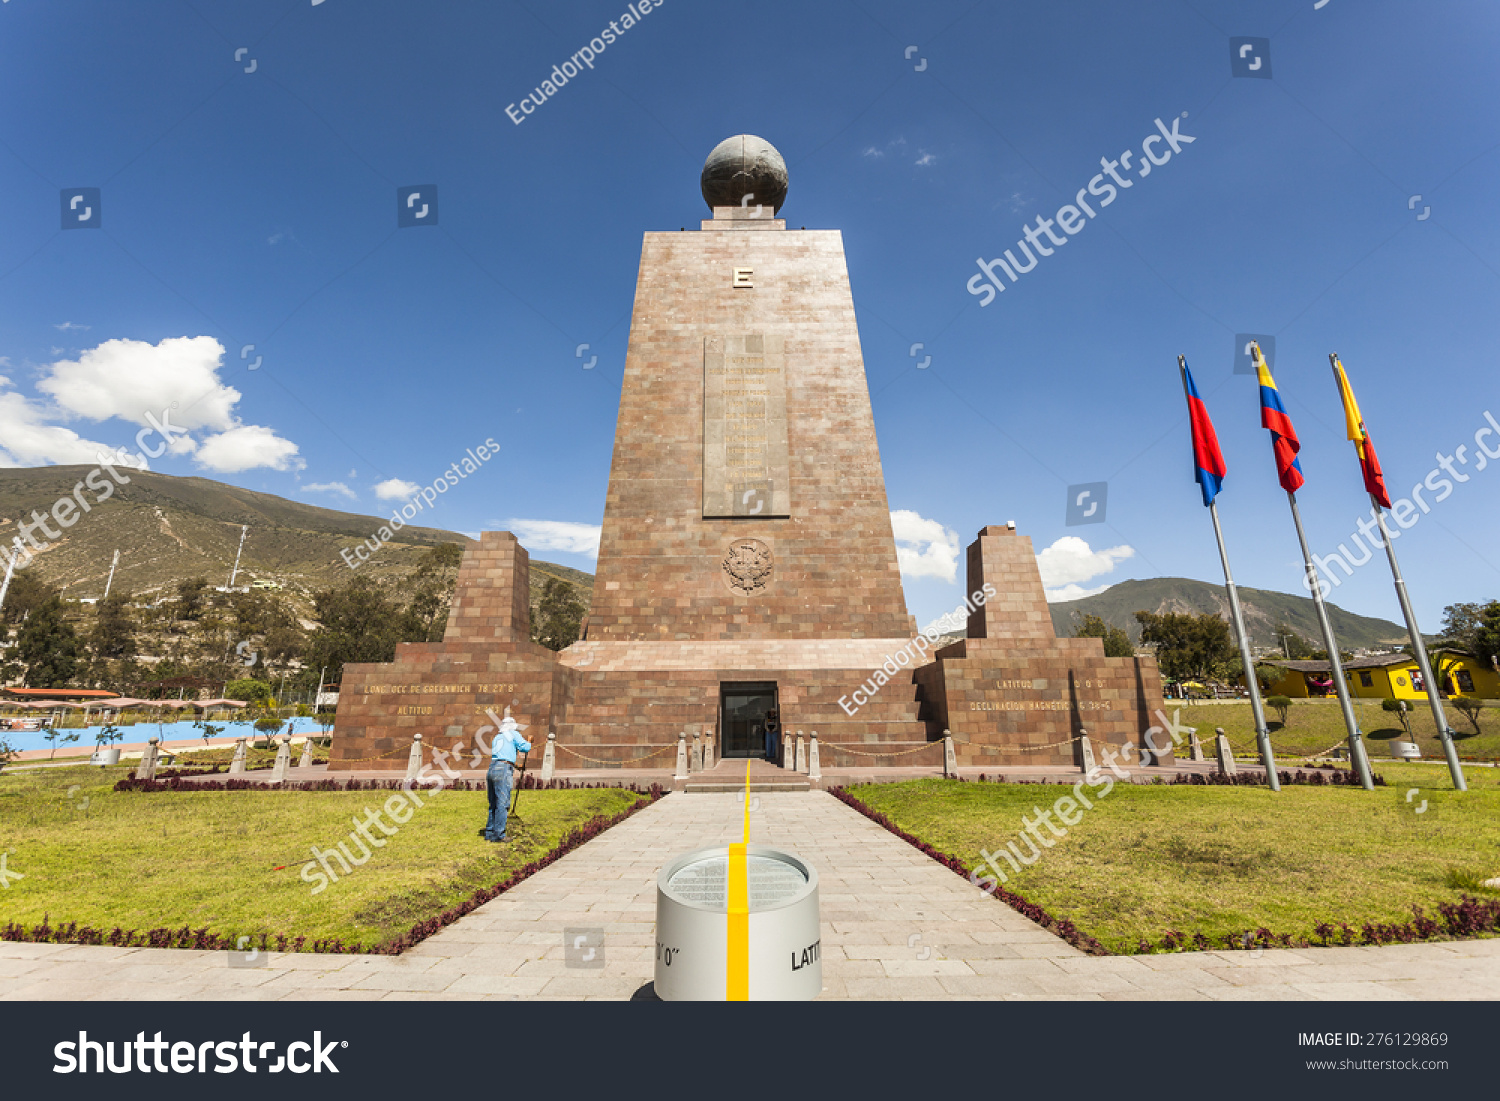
(741, 166)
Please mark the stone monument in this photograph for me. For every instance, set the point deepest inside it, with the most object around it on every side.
(747, 562)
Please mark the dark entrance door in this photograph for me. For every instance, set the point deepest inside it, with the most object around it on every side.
(742, 717)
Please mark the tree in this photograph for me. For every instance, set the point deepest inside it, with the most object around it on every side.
(360, 623)
(114, 628)
(1186, 645)
(1233, 670)
(28, 592)
(54, 735)
(191, 598)
(1117, 642)
(48, 647)
(559, 618)
(1471, 709)
(1281, 705)
(1293, 645)
(1475, 628)
(1401, 711)
(248, 690)
(431, 587)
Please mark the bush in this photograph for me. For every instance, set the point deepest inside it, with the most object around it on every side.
(1281, 704)
(1401, 708)
(1471, 709)
(248, 690)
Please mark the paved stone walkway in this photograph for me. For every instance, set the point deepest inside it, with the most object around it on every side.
(895, 925)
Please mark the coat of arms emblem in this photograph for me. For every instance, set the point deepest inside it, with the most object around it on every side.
(748, 566)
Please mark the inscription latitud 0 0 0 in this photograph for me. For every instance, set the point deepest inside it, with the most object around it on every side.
(745, 466)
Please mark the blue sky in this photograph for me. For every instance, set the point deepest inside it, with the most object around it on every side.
(260, 208)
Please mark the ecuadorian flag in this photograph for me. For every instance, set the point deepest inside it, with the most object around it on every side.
(1208, 460)
(1284, 442)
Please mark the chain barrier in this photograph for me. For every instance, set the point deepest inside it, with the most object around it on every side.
(617, 761)
(870, 753)
(360, 760)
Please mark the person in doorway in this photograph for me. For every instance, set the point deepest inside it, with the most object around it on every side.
(502, 768)
(773, 736)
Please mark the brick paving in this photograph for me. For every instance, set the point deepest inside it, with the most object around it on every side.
(896, 925)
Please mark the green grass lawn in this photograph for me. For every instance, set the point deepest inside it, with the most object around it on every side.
(1221, 860)
(231, 861)
(1314, 725)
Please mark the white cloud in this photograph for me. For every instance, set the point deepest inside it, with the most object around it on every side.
(557, 535)
(1070, 561)
(924, 548)
(130, 378)
(925, 159)
(871, 151)
(176, 381)
(67, 325)
(27, 440)
(330, 487)
(394, 489)
(247, 447)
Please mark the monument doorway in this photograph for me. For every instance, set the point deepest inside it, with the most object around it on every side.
(743, 708)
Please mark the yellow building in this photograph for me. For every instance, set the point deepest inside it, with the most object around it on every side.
(1390, 677)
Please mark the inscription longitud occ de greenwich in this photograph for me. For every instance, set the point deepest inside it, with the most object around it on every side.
(745, 456)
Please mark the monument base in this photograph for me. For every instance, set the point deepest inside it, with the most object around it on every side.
(1011, 694)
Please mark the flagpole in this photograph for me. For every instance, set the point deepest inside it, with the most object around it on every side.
(1419, 650)
(1335, 663)
(1370, 468)
(1257, 708)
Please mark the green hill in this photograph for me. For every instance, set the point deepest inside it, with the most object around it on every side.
(168, 529)
(1264, 610)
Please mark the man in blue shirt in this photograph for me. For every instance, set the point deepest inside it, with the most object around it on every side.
(502, 763)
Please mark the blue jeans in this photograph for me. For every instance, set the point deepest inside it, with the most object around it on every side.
(498, 784)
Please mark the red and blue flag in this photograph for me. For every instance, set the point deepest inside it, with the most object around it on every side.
(1284, 442)
(1208, 460)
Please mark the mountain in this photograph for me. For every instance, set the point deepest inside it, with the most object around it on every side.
(1264, 611)
(168, 529)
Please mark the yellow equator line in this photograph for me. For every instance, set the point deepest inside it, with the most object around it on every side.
(737, 973)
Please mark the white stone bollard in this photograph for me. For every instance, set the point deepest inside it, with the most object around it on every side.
(682, 757)
(306, 759)
(1227, 766)
(950, 757)
(237, 766)
(146, 770)
(1197, 745)
(1086, 763)
(549, 756)
(708, 748)
(696, 760)
(283, 760)
(814, 768)
(801, 754)
(414, 759)
(787, 761)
